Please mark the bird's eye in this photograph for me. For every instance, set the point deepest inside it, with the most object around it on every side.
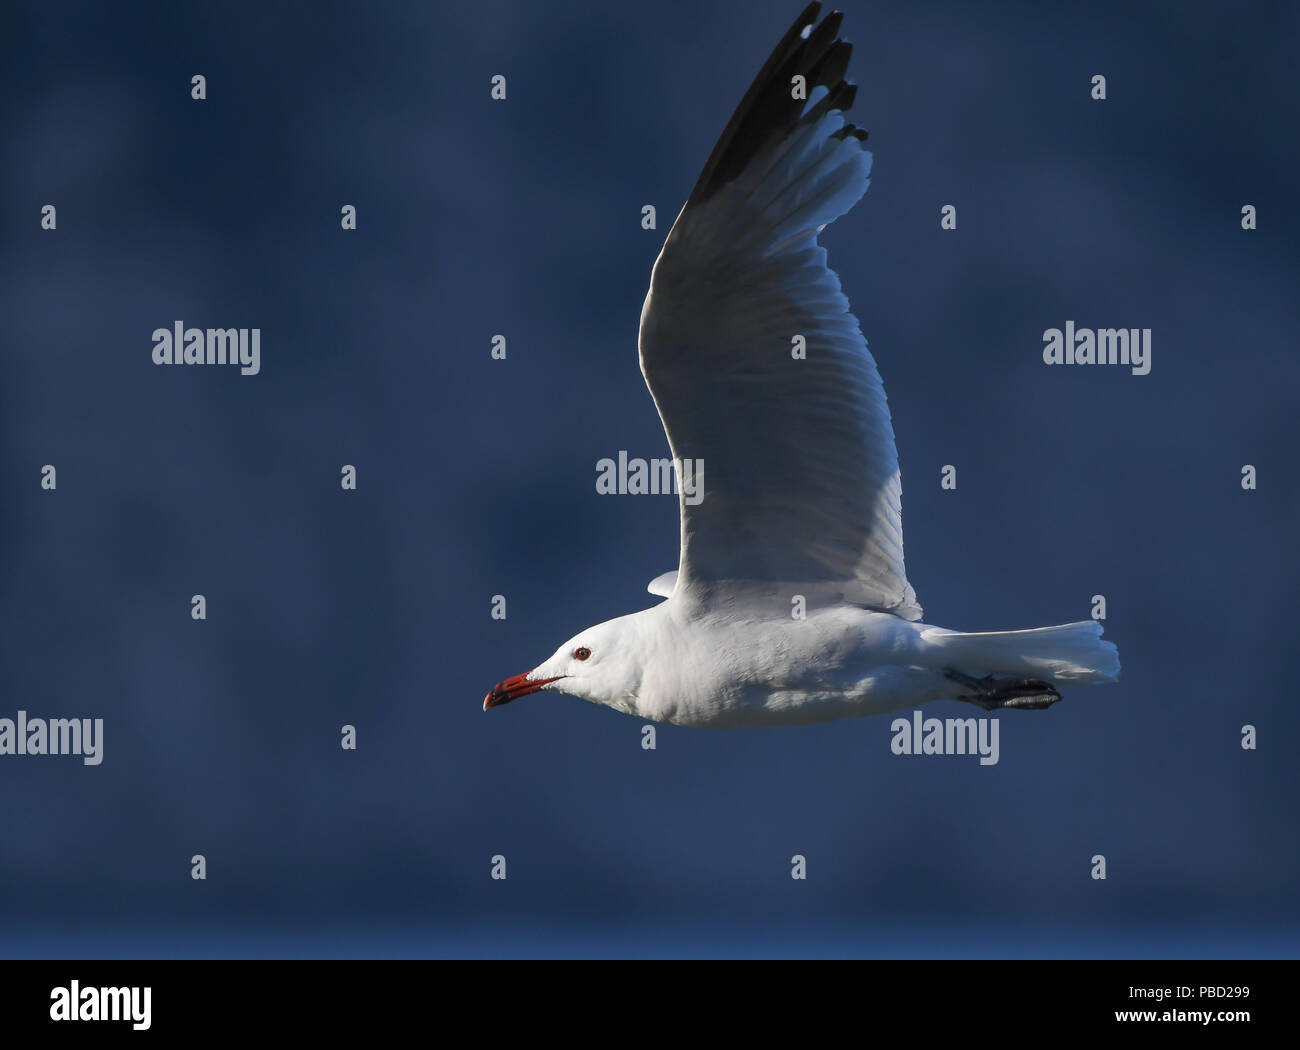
(581, 653)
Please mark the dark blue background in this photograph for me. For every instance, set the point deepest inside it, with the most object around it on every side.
(476, 477)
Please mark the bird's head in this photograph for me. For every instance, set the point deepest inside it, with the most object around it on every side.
(602, 664)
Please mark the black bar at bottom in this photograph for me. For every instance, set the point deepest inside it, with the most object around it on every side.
(588, 999)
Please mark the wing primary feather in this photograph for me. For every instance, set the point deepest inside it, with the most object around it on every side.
(768, 113)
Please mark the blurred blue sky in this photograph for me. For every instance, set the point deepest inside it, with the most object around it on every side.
(476, 477)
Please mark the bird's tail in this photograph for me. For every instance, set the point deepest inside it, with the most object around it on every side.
(1069, 652)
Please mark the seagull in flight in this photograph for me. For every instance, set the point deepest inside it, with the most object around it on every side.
(790, 603)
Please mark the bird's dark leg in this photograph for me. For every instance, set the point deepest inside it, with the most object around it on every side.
(1028, 694)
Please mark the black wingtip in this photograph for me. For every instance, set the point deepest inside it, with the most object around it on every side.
(768, 113)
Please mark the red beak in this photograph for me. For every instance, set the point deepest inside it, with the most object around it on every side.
(514, 688)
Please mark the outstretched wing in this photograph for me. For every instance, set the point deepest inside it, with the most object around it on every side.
(756, 365)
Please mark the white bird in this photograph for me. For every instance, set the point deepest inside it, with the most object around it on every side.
(801, 503)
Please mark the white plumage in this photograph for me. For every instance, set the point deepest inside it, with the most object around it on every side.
(759, 370)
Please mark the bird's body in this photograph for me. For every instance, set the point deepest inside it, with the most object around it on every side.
(748, 662)
(721, 671)
(791, 602)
